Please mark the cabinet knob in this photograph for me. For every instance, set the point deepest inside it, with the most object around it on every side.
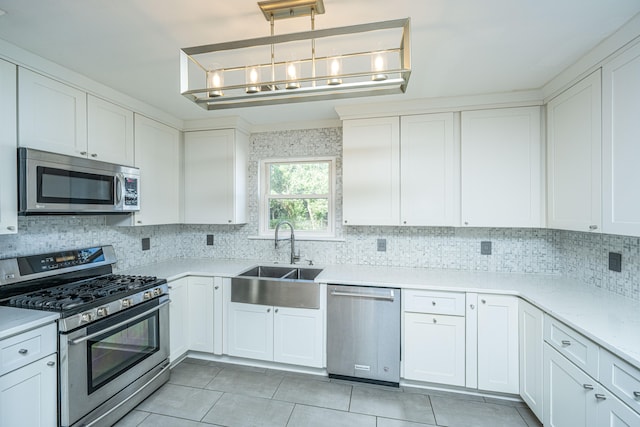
(593, 227)
(216, 287)
(268, 310)
(170, 287)
(23, 351)
(600, 396)
(433, 303)
(566, 342)
(434, 320)
(11, 228)
(636, 394)
(471, 306)
(484, 301)
(466, 223)
(139, 222)
(51, 363)
(276, 310)
(404, 222)
(345, 221)
(587, 386)
(230, 221)
(84, 153)
(94, 155)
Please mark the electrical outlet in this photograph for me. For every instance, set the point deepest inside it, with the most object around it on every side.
(485, 248)
(209, 239)
(615, 262)
(146, 243)
(382, 245)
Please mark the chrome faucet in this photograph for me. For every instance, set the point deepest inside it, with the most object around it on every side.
(294, 257)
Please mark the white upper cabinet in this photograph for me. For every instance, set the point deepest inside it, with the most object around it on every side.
(157, 152)
(621, 144)
(215, 177)
(8, 144)
(501, 168)
(429, 170)
(574, 145)
(370, 171)
(110, 132)
(51, 115)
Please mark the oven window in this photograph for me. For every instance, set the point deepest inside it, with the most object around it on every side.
(116, 351)
(68, 187)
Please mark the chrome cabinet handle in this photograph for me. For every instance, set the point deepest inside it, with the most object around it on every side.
(484, 301)
(51, 363)
(566, 342)
(345, 221)
(268, 310)
(139, 222)
(433, 303)
(593, 227)
(23, 351)
(84, 153)
(11, 228)
(276, 310)
(434, 320)
(216, 287)
(587, 386)
(170, 287)
(94, 155)
(636, 394)
(471, 306)
(600, 396)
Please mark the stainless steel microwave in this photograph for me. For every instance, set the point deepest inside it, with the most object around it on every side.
(50, 183)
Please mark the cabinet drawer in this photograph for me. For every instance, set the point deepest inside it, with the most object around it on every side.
(434, 302)
(25, 348)
(573, 345)
(620, 378)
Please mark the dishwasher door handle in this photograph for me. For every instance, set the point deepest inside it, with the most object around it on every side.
(389, 297)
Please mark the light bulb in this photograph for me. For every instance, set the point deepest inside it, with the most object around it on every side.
(252, 78)
(292, 75)
(334, 67)
(378, 66)
(215, 80)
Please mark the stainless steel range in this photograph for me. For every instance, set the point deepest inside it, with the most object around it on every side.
(113, 345)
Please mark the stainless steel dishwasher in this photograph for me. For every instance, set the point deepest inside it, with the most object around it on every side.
(363, 334)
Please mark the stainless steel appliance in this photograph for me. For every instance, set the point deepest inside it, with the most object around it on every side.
(113, 334)
(363, 334)
(50, 183)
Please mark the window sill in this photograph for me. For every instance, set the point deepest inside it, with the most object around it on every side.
(303, 238)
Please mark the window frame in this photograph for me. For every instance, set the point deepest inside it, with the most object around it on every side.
(265, 197)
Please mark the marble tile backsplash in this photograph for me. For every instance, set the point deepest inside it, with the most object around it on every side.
(580, 255)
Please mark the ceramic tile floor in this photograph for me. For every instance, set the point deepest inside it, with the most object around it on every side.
(202, 393)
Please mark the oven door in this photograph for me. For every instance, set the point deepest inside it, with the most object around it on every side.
(98, 361)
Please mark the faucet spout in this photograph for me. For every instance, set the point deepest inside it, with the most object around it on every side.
(294, 257)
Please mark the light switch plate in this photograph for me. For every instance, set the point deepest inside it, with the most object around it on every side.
(382, 245)
(485, 248)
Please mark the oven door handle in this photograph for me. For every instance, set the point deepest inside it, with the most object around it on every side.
(117, 325)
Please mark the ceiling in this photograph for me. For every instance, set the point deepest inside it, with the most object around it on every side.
(459, 47)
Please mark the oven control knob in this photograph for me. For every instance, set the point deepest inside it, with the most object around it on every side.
(102, 312)
(127, 302)
(147, 295)
(86, 317)
(157, 292)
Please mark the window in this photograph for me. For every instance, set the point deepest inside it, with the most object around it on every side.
(300, 191)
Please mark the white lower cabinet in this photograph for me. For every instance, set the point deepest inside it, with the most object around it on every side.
(613, 413)
(178, 320)
(434, 348)
(200, 314)
(29, 395)
(569, 397)
(279, 334)
(498, 343)
(531, 343)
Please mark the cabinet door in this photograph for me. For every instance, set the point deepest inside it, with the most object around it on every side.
(215, 177)
(8, 144)
(109, 132)
(200, 314)
(574, 143)
(297, 336)
(434, 348)
(531, 344)
(501, 168)
(370, 171)
(620, 147)
(498, 343)
(428, 169)
(613, 413)
(569, 393)
(178, 319)
(51, 115)
(157, 152)
(250, 331)
(29, 395)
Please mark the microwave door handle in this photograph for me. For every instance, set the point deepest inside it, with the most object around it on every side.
(119, 185)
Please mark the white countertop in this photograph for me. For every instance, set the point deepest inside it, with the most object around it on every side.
(15, 321)
(610, 320)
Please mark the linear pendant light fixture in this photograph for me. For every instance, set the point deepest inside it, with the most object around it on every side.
(345, 62)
